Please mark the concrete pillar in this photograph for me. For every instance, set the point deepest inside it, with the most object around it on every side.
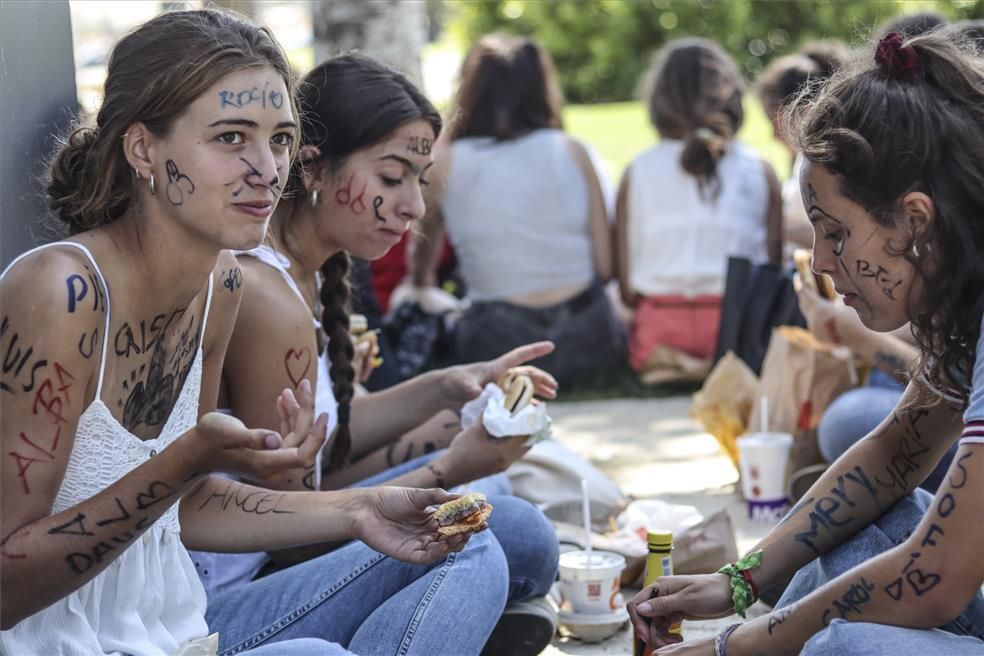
(37, 101)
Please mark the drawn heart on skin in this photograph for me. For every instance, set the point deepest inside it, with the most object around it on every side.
(920, 582)
(297, 364)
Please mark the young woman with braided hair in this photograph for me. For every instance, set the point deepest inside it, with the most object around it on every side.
(364, 159)
(894, 187)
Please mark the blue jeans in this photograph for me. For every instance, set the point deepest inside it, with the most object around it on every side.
(526, 536)
(964, 635)
(357, 601)
(856, 413)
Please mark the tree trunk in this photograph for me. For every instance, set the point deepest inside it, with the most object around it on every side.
(247, 8)
(393, 31)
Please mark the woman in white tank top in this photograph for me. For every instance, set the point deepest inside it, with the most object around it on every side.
(112, 347)
(685, 206)
(523, 207)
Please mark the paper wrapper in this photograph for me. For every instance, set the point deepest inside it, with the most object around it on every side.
(490, 406)
(725, 402)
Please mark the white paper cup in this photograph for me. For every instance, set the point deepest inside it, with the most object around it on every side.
(590, 587)
(763, 458)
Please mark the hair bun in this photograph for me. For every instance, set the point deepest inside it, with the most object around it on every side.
(67, 176)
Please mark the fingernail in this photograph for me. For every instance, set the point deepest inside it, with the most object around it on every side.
(272, 441)
(644, 608)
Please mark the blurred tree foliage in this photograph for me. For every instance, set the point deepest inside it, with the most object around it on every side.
(603, 47)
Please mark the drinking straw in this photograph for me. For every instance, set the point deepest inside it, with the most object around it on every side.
(764, 413)
(586, 511)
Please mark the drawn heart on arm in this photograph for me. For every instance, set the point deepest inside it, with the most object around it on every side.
(297, 364)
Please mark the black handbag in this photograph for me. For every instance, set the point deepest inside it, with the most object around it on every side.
(757, 298)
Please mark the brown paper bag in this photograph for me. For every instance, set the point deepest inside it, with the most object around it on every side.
(800, 377)
(724, 403)
(705, 547)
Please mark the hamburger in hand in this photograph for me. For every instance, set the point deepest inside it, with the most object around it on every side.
(463, 515)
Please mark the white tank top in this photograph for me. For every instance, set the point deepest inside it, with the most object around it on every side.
(678, 241)
(518, 214)
(149, 600)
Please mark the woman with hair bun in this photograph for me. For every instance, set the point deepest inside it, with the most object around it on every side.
(113, 343)
(689, 203)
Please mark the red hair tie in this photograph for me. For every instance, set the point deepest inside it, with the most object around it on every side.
(897, 60)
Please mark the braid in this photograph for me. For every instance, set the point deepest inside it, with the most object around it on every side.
(335, 323)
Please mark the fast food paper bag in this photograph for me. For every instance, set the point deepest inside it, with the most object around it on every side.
(801, 376)
(724, 403)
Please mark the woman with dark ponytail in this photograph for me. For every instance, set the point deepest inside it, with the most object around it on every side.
(115, 338)
(689, 203)
(365, 156)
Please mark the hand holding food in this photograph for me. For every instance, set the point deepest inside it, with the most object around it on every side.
(359, 331)
(400, 522)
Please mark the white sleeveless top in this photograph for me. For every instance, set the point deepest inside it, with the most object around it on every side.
(679, 242)
(518, 215)
(149, 601)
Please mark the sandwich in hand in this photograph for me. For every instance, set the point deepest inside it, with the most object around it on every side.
(518, 389)
(359, 331)
(820, 283)
(465, 514)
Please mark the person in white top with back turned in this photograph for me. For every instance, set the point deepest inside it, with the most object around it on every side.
(525, 212)
(113, 342)
(689, 203)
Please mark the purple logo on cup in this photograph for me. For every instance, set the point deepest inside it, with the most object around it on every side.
(767, 511)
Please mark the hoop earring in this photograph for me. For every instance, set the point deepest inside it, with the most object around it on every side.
(314, 198)
(153, 186)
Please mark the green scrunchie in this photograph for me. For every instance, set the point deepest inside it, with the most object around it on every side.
(741, 590)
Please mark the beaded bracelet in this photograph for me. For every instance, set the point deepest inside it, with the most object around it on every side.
(721, 641)
(744, 592)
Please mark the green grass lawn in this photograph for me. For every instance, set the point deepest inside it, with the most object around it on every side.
(620, 131)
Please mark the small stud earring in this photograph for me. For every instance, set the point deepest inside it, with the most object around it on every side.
(314, 198)
(136, 172)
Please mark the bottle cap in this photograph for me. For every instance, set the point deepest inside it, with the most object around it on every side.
(661, 539)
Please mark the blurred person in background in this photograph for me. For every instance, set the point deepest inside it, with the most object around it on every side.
(689, 203)
(525, 213)
(778, 84)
